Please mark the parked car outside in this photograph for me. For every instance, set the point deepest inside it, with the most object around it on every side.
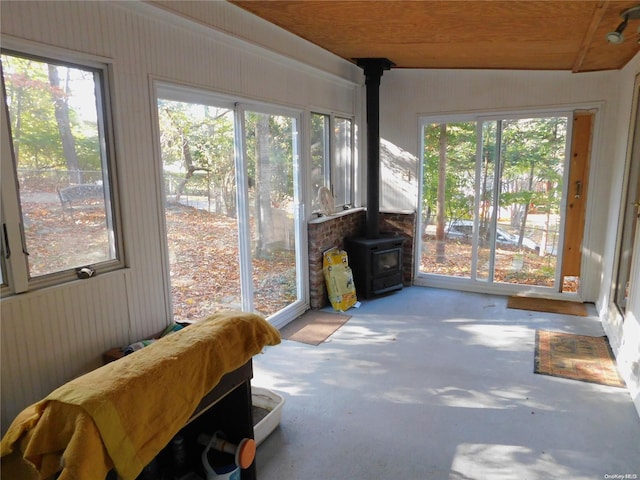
(462, 230)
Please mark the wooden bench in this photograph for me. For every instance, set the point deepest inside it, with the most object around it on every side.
(74, 195)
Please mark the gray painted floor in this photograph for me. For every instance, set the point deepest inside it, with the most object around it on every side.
(436, 384)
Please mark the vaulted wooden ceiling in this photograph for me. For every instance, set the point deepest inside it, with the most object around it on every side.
(472, 34)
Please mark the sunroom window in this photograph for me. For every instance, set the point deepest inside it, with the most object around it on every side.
(57, 211)
(343, 162)
(332, 158)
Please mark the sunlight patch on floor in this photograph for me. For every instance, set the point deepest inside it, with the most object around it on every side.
(501, 337)
(506, 462)
(403, 396)
(359, 335)
(466, 398)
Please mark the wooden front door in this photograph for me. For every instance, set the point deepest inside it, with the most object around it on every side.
(576, 204)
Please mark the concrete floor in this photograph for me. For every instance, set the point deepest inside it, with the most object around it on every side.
(436, 384)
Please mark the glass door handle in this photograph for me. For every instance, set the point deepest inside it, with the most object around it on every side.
(6, 241)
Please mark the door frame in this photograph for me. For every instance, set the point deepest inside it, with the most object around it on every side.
(471, 285)
(293, 310)
(631, 167)
(188, 93)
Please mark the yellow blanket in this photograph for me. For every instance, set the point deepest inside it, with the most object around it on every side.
(122, 414)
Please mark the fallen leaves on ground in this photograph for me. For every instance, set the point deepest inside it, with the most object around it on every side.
(205, 272)
(203, 256)
(522, 267)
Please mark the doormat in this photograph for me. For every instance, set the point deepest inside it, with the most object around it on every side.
(313, 327)
(547, 305)
(577, 357)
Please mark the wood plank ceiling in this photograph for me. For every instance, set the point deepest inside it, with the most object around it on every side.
(474, 34)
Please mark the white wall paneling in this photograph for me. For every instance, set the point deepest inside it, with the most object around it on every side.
(52, 335)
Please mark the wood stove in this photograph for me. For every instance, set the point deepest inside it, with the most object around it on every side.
(375, 259)
(376, 264)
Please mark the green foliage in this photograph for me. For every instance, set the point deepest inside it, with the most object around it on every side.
(319, 153)
(460, 174)
(319, 126)
(280, 153)
(35, 133)
(199, 138)
(532, 153)
(533, 159)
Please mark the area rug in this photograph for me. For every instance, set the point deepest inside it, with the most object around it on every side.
(547, 305)
(313, 327)
(577, 357)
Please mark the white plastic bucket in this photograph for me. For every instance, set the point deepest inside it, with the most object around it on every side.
(227, 472)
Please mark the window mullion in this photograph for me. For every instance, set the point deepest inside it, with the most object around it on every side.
(330, 164)
(14, 254)
(242, 192)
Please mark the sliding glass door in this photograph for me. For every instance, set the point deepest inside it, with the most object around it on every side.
(231, 205)
(448, 186)
(491, 200)
(273, 203)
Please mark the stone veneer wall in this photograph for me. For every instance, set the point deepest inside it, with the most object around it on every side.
(329, 232)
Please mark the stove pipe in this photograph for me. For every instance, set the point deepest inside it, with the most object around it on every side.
(373, 69)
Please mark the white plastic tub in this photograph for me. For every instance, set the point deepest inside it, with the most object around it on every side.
(272, 402)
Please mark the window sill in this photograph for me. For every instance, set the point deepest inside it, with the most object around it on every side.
(341, 213)
(63, 281)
